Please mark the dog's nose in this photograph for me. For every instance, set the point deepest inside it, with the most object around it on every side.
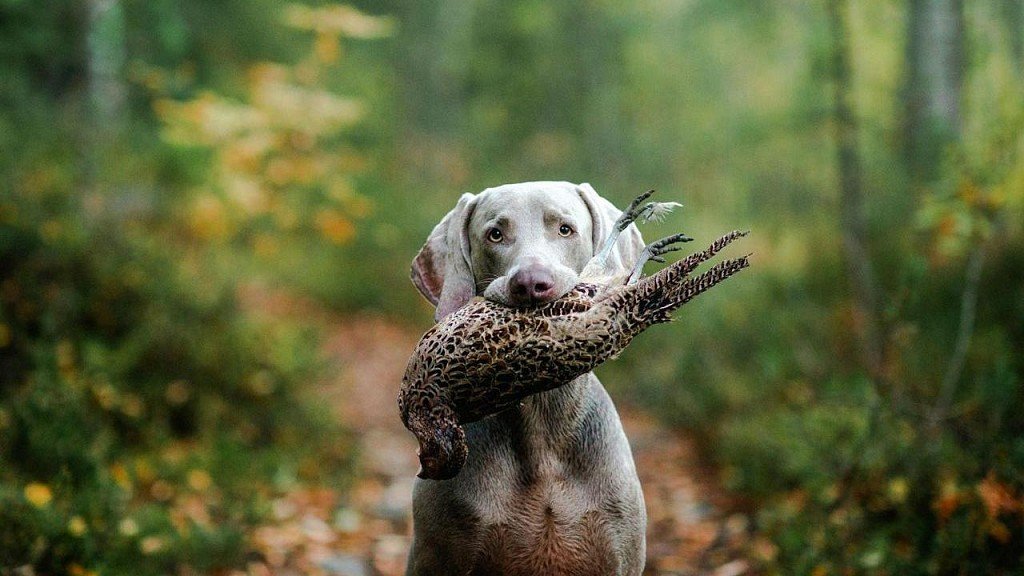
(532, 284)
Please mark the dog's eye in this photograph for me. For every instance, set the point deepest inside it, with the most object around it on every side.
(565, 230)
(495, 235)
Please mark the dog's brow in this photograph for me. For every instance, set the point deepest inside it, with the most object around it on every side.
(553, 216)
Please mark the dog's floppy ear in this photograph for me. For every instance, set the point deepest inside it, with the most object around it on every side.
(603, 215)
(441, 271)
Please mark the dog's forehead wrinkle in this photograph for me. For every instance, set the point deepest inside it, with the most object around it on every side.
(558, 216)
(520, 187)
(522, 212)
(530, 195)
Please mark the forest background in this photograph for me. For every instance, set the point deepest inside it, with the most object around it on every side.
(858, 392)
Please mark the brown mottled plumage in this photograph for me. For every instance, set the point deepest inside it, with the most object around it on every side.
(487, 357)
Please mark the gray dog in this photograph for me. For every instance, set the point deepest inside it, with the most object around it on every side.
(550, 488)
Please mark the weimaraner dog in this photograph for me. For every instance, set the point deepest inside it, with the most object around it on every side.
(549, 488)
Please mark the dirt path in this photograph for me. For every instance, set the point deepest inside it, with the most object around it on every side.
(367, 533)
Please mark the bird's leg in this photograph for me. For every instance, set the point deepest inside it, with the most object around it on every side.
(630, 214)
(636, 210)
(598, 269)
(654, 251)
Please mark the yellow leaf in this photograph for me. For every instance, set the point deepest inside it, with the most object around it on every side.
(359, 206)
(308, 170)
(51, 230)
(265, 245)
(199, 480)
(969, 192)
(78, 570)
(208, 217)
(132, 406)
(241, 156)
(77, 526)
(162, 490)
(105, 396)
(261, 383)
(280, 171)
(151, 544)
(65, 355)
(39, 495)
(327, 47)
(999, 531)
(338, 19)
(947, 225)
(996, 496)
(177, 393)
(334, 226)
(8, 213)
(144, 471)
(120, 475)
(898, 489)
(128, 527)
(948, 501)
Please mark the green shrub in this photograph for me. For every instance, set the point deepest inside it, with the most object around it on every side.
(144, 415)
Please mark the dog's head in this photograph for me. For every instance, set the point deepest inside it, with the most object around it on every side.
(518, 244)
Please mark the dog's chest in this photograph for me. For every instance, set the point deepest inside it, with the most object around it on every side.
(549, 536)
(543, 493)
(553, 525)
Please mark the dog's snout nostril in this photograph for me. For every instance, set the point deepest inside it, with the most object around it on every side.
(531, 285)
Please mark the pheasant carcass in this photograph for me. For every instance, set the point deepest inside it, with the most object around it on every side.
(487, 357)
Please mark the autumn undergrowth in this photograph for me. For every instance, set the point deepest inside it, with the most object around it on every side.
(149, 416)
(840, 471)
(146, 419)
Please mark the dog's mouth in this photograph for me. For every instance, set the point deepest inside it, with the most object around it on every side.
(498, 291)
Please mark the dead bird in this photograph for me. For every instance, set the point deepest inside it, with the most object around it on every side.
(487, 357)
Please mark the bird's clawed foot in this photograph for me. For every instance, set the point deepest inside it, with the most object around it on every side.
(637, 210)
(598, 266)
(655, 251)
(633, 211)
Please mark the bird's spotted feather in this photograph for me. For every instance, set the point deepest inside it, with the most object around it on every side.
(487, 357)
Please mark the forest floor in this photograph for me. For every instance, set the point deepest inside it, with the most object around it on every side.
(365, 530)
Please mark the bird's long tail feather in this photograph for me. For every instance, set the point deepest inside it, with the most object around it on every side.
(679, 294)
(653, 299)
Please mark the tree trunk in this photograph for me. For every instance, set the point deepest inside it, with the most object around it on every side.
(106, 56)
(932, 95)
(1013, 18)
(851, 199)
(105, 105)
(439, 49)
(597, 47)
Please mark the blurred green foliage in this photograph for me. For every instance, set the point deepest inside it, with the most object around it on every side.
(158, 157)
(728, 107)
(149, 409)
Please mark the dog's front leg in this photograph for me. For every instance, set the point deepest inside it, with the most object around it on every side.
(446, 540)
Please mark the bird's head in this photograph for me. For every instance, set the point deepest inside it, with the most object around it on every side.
(443, 450)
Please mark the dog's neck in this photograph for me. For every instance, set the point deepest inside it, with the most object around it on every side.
(548, 424)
